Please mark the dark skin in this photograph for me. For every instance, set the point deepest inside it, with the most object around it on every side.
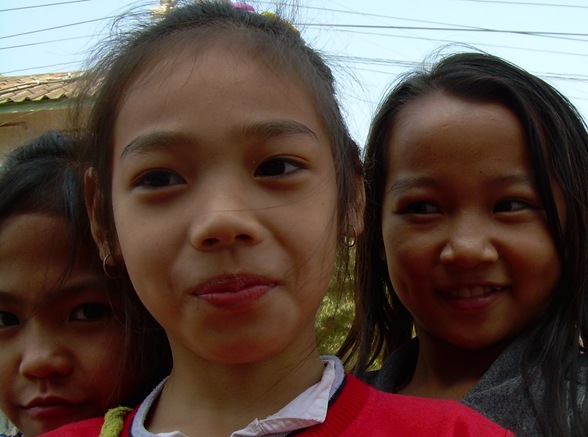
(449, 378)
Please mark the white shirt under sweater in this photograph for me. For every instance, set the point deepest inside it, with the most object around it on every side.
(307, 409)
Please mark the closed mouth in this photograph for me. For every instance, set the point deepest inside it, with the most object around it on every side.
(51, 402)
(232, 284)
(234, 292)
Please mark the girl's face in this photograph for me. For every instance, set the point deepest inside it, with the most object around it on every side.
(224, 200)
(61, 344)
(465, 237)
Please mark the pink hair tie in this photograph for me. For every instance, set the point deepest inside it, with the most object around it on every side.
(244, 6)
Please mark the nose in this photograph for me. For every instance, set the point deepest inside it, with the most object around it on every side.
(469, 243)
(226, 221)
(45, 355)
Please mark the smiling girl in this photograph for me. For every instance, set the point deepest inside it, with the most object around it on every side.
(476, 229)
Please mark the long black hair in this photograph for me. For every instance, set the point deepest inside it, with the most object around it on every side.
(43, 176)
(557, 141)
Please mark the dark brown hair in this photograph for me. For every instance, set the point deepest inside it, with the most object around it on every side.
(43, 176)
(557, 140)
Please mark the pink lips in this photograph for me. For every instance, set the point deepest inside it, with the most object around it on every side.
(52, 408)
(234, 291)
(473, 297)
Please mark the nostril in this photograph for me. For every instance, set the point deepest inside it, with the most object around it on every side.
(210, 242)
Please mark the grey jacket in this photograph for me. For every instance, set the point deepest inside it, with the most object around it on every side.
(499, 395)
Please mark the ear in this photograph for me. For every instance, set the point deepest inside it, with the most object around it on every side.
(355, 219)
(94, 203)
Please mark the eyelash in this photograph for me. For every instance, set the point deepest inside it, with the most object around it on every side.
(417, 208)
(283, 163)
(161, 178)
(88, 312)
(521, 203)
(96, 310)
(151, 179)
(425, 207)
(8, 320)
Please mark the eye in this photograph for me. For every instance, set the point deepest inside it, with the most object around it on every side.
(420, 208)
(277, 167)
(512, 205)
(158, 179)
(89, 312)
(8, 319)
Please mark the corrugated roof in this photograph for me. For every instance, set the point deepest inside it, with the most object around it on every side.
(53, 86)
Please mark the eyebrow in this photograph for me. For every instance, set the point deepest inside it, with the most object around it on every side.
(427, 181)
(153, 141)
(267, 129)
(412, 182)
(276, 128)
(57, 293)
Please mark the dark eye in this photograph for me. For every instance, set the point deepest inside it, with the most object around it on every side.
(91, 311)
(420, 208)
(511, 206)
(277, 167)
(158, 179)
(8, 319)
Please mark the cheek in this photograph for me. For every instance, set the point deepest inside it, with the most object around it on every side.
(310, 229)
(8, 374)
(142, 243)
(311, 260)
(410, 259)
(542, 267)
(107, 366)
(406, 252)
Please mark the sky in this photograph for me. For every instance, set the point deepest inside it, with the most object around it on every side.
(368, 43)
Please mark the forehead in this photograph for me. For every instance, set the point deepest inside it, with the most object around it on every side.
(29, 234)
(219, 78)
(438, 109)
(35, 252)
(201, 46)
(440, 118)
(445, 135)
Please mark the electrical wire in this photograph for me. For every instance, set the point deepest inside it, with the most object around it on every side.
(20, 8)
(363, 63)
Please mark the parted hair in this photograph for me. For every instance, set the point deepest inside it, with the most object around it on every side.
(190, 28)
(557, 141)
(43, 176)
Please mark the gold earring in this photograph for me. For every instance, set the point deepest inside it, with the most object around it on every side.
(105, 267)
(350, 241)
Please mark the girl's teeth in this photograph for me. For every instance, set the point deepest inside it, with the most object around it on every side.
(468, 292)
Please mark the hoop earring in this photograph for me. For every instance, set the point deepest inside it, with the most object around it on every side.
(350, 241)
(105, 267)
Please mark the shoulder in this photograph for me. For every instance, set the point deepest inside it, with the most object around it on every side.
(116, 422)
(409, 415)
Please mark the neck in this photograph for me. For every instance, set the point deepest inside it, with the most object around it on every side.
(446, 371)
(208, 398)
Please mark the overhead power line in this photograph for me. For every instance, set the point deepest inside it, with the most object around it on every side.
(452, 29)
(20, 8)
(555, 5)
(448, 41)
(364, 14)
(57, 27)
(428, 26)
(51, 42)
(40, 67)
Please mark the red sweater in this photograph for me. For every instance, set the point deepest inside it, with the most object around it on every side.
(360, 410)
